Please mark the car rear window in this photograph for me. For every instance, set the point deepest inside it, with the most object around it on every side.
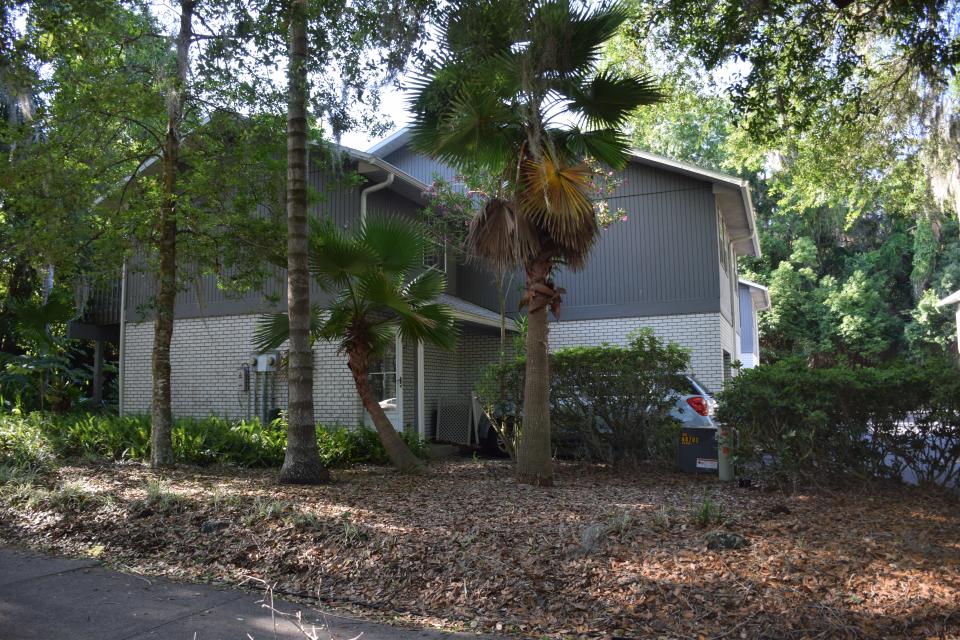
(688, 387)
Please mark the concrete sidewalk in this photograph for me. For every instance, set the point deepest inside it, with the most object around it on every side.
(52, 597)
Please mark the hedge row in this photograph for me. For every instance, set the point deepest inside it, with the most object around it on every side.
(37, 439)
(803, 423)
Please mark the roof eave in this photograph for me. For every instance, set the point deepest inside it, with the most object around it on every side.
(746, 245)
(758, 293)
(953, 298)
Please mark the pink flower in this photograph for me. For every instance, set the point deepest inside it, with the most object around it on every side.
(623, 218)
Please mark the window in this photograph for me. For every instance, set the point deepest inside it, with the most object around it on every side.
(724, 245)
(727, 367)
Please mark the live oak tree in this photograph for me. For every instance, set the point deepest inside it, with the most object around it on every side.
(856, 247)
(494, 97)
(142, 159)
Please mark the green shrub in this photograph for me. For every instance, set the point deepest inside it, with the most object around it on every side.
(341, 446)
(800, 423)
(608, 403)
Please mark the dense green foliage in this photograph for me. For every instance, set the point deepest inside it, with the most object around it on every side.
(37, 440)
(608, 403)
(800, 58)
(815, 424)
(856, 248)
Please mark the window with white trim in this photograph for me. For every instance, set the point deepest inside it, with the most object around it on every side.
(724, 245)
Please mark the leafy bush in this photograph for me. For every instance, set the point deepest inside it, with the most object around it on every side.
(608, 404)
(800, 423)
(341, 446)
(34, 440)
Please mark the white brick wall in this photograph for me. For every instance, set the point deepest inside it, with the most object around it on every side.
(701, 333)
(206, 355)
(453, 373)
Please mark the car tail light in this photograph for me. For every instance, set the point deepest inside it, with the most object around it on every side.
(698, 404)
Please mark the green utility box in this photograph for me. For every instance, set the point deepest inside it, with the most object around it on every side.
(697, 450)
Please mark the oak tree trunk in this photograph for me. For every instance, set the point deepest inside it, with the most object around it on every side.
(301, 463)
(534, 459)
(161, 415)
(397, 450)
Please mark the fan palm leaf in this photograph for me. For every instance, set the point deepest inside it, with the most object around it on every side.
(554, 197)
(377, 294)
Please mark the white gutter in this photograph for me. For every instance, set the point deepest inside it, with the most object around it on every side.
(466, 316)
(123, 336)
(374, 187)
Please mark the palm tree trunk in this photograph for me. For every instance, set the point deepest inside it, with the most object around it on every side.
(161, 414)
(301, 463)
(397, 450)
(534, 459)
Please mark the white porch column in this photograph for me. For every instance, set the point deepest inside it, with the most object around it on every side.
(421, 405)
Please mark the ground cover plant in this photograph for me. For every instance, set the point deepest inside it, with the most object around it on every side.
(36, 440)
(644, 553)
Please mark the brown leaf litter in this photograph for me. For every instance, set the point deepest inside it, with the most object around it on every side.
(600, 555)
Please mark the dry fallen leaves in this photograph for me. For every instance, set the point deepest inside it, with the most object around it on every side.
(468, 548)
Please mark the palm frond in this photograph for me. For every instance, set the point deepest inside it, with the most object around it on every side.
(383, 292)
(499, 237)
(566, 39)
(554, 196)
(397, 244)
(474, 29)
(427, 286)
(432, 323)
(608, 146)
(273, 329)
(607, 99)
(338, 318)
(335, 258)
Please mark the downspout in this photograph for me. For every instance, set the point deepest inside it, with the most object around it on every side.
(123, 336)
(363, 218)
(374, 187)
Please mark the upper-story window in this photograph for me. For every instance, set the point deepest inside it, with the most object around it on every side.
(724, 245)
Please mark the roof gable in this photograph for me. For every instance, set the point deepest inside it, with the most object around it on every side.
(732, 193)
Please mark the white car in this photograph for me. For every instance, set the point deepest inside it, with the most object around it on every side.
(694, 406)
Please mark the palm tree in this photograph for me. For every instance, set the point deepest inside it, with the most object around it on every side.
(515, 90)
(373, 298)
(301, 462)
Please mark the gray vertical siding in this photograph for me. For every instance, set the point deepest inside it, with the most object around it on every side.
(335, 199)
(663, 260)
(419, 166)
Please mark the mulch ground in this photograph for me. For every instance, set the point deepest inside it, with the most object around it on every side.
(601, 554)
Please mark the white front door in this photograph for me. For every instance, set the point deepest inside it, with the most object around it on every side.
(386, 378)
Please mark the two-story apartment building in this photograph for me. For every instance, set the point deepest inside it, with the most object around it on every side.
(670, 265)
